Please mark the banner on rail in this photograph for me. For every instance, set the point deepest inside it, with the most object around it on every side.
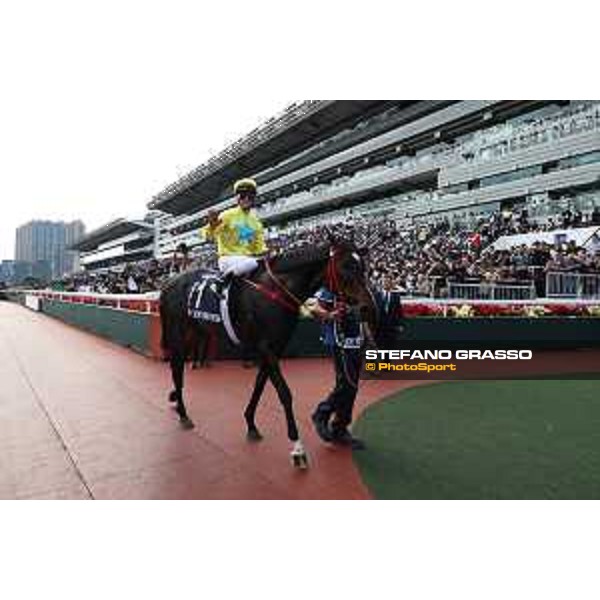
(32, 302)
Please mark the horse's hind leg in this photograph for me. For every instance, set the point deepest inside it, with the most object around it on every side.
(203, 349)
(199, 345)
(195, 353)
(177, 369)
(253, 433)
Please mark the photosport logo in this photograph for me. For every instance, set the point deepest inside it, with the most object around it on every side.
(433, 363)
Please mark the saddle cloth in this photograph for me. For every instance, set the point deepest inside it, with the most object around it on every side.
(206, 306)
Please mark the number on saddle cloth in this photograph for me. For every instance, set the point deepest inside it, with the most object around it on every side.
(204, 304)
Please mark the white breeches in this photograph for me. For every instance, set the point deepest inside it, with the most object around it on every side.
(240, 265)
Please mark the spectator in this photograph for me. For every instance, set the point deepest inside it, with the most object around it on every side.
(181, 260)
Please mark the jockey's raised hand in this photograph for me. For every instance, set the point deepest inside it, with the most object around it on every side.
(213, 218)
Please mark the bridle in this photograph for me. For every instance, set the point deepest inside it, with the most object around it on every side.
(331, 275)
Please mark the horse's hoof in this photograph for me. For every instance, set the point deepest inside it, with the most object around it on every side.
(254, 435)
(300, 461)
(186, 423)
(173, 397)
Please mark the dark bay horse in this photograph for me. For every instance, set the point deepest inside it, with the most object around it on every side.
(264, 310)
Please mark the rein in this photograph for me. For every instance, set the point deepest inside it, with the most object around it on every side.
(273, 295)
(282, 286)
(289, 300)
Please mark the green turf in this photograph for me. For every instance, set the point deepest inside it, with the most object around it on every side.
(484, 440)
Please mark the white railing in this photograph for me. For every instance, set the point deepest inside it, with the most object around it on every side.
(572, 285)
(490, 291)
(144, 303)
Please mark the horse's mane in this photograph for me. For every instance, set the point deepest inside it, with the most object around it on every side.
(307, 255)
(301, 257)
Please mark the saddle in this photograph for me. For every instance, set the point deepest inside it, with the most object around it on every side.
(205, 305)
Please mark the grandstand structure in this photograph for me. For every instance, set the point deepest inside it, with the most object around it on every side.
(117, 243)
(405, 160)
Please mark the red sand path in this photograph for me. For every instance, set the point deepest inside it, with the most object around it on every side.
(81, 417)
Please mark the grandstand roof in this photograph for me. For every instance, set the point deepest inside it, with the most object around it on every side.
(113, 230)
(299, 127)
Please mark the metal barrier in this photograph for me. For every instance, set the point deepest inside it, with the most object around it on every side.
(572, 285)
(433, 288)
(490, 291)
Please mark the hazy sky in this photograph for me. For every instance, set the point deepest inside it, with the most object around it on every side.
(101, 108)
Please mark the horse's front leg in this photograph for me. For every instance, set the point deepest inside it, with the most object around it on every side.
(253, 434)
(177, 362)
(298, 453)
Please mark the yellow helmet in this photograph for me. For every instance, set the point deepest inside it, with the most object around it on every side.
(244, 185)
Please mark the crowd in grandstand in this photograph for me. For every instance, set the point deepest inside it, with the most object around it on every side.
(420, 258)
(140, 277)
(414, 258)
(503, 139)
(135, 278)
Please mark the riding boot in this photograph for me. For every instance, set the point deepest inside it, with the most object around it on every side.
(222, 282)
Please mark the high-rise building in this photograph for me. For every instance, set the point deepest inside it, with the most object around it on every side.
(46, 242)
(7, 271)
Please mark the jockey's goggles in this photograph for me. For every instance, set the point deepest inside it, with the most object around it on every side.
(247, 194)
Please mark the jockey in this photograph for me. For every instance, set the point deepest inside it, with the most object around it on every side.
(238, 233)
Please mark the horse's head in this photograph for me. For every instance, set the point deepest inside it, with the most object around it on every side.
(346, 276)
